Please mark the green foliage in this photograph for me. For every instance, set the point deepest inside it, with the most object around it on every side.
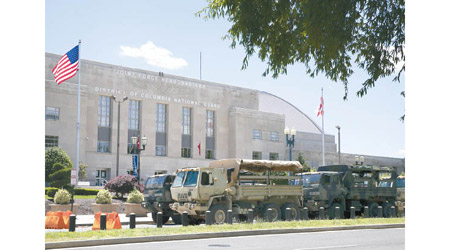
(103, 197)
(55, 155)
(302, 160)
(62, 196)
(135, 197)
(50, 192)
(60, 176)
(82, 171)
(326, 36)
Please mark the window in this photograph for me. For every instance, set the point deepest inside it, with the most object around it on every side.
(273, 156)
(257, 155)
(209, 123)
(160, 150)
(273, 136)
(186, 121)
(257, 134)
(191, 179)
(133, 114)
(51, 113)
(186, 152)
(209, 154)
(51, 141)
(178, 179)
(104, 124)
(205, 178)
(161, 118)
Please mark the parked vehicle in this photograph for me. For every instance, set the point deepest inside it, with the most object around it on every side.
(346, 186)
(400, 203)
(157, 197)
(237, 185)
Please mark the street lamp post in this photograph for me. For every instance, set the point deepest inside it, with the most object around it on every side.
(137, 150)
(290, 141)
(118, 130)
(339, 143)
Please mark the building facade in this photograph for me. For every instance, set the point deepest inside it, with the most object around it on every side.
(187, 122)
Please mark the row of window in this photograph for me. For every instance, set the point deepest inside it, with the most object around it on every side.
(257, 135)
(256, 155)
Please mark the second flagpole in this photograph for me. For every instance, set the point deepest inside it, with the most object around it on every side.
(323, 132)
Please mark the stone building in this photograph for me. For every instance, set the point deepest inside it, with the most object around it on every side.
(187, 122)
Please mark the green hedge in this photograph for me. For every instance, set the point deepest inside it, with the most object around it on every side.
(50, 191)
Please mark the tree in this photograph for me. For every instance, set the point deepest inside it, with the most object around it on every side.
(60, 176)
(82, 171)
(55, 155)
(324, 35)
(302, 161)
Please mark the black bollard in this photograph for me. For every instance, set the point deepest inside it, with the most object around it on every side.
(380, 211)
(300, 215)
(132, 220)
(393, 214)
(322, 213)
(305, 213)
(352, 212)
(184, 219)
(208, 218)
(159, 219)
(72, 219)
(250, 216)
(103, 222)
(366, 212)
(337, 213)
(229, 217)
(288, 214)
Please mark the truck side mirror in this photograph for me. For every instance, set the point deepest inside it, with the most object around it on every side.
(211, 179)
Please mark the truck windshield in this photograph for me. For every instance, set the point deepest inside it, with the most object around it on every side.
(311, 180)
(191, 179)
(179, 179)
(155, 182)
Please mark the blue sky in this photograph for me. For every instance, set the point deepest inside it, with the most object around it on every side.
(114, 31)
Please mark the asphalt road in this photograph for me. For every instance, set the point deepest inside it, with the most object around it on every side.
(349, 239)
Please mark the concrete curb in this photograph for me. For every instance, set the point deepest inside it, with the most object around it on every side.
(86, 243)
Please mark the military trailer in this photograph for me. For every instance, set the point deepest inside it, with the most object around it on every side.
(157, 197)
(237, 185)
(346, 186)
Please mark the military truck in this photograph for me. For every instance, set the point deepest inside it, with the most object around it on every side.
(237, 185)
(346, 186)
(400, 203)
(157, 197)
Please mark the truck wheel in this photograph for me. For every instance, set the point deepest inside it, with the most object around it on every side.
(176, 218)
(332, 209)
(373, 209)
(387, 210)
(276, 212)
(219, 213)
(165, 218)
(295, 211)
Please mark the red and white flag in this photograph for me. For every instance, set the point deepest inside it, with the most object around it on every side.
(199, 149)
(67, 66)
(320, 108)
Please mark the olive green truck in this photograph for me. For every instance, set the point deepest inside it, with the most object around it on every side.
(350, 186)
(237, 185)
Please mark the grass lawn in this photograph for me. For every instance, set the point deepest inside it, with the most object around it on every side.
(118, 233)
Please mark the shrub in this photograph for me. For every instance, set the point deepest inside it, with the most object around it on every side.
(85, 191)
(50, 192)
(60, 176)
(123, 184)
(82, 171)
(135, 197)
(62, 197)
(103, 197)
(55, 155)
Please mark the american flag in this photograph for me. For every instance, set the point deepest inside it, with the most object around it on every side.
(67, 66)
(320, 108)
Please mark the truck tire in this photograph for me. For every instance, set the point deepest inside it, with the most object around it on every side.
(332, 209)
(276, 212)
(387, 213)
(295, 211)
(176, 218)
(165, 218)
(219, 213)
(373, 209)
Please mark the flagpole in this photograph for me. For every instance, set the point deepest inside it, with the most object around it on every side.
(77, 154)
(323, 132)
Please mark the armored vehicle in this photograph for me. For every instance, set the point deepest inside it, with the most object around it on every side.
(157, 197)
(400, 203)
(346, 186)
(237, 185)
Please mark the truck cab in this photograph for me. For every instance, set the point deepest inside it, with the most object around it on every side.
(157, 197)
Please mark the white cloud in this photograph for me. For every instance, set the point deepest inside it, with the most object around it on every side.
(155, 56)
